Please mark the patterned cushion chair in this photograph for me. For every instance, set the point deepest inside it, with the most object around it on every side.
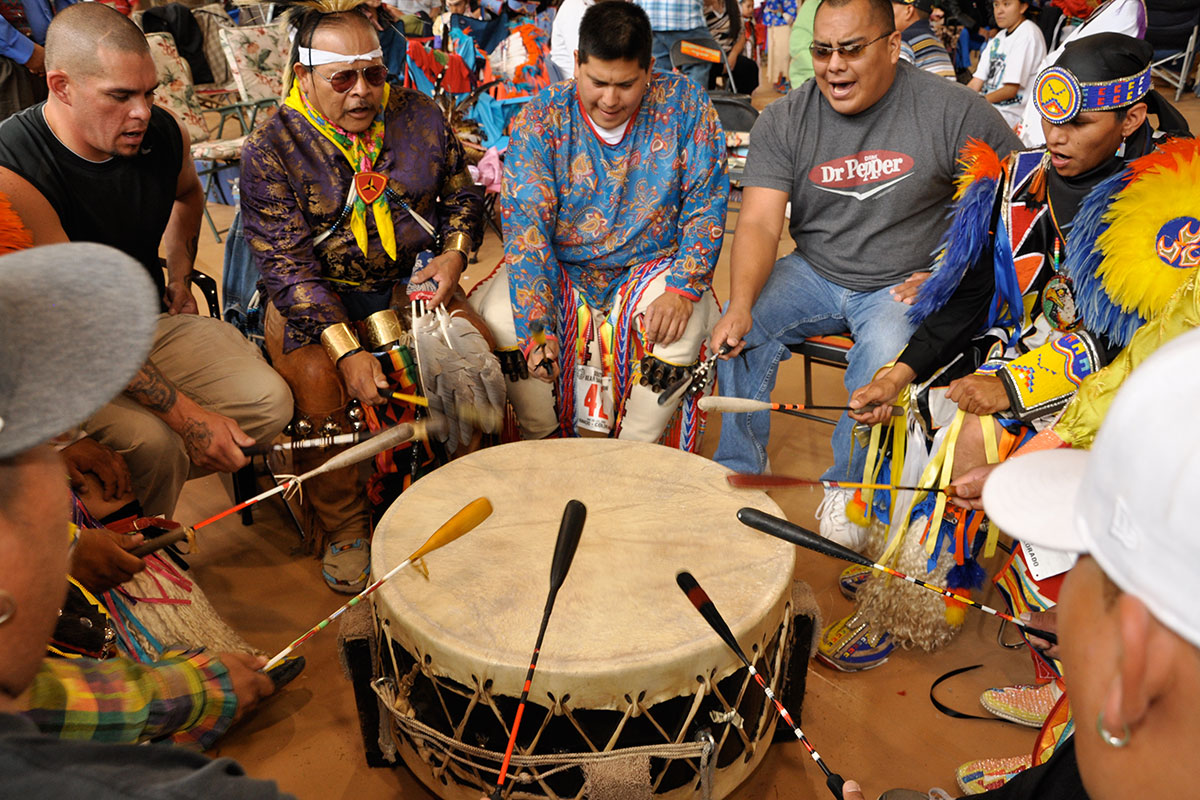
(176, 93)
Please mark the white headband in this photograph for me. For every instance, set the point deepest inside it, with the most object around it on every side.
(309, 57)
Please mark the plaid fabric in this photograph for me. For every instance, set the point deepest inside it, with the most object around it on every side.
(187, 698)
(673, 15)
(211, 19)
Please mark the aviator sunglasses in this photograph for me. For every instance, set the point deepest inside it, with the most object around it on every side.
(823, 52)
(343, 80)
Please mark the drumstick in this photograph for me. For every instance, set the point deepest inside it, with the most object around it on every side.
(708, 610)
(701, 371)
(305, 444)
(383, 440)
(404, 398)
(465, 520)
(745, 480)
(742, 405)
(782, 529)
(574, 515)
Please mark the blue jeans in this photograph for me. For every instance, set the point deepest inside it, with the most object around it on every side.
(661, 50)
(797, 303)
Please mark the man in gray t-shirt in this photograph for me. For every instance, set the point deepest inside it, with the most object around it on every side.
(866, 154)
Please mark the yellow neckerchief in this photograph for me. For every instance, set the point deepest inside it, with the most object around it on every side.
(361, 150)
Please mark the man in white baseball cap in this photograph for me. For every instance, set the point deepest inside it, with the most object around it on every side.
(1129, 620)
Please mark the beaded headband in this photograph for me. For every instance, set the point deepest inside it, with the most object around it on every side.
(1060, 96)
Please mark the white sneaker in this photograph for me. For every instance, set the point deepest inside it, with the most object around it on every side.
(834, 525)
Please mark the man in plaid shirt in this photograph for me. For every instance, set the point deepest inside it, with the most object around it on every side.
(673, 21)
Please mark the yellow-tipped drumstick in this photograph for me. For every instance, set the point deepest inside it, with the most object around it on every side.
(465, 520)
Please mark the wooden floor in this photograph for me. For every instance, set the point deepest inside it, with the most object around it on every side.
(877, 727)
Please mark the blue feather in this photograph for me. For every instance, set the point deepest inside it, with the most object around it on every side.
(967, 575)
(1008, 310)
(1100, 314)
(959, 248)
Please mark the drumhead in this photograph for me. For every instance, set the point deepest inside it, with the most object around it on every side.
(620, 624)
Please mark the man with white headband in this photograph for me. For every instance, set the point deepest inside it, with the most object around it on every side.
(342, 191)
(1043, 277)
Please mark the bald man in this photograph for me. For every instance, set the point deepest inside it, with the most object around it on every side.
(98, 162)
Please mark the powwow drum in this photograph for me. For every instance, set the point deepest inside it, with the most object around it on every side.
(633, 688)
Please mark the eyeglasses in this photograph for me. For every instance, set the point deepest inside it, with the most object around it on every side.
(823, 52)
(344, 80)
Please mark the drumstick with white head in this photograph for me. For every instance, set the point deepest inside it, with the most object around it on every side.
(574, 515)
(704, 604)
(465, 520)
(743, 405)
(782, 529)
(385, 439)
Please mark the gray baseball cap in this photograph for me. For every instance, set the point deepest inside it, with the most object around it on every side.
(76, 323)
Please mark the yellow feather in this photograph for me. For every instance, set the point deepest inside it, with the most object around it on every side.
(1134, 274)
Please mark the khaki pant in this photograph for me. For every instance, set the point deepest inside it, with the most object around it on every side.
(335, 503)
(533, 400)
(212, 363)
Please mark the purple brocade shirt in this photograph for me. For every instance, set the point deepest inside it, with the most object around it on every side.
(294, 187)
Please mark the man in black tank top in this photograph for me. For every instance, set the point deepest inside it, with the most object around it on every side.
(98, 162)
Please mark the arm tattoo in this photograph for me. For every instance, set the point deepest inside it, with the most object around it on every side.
(197, 437)
(152, 389)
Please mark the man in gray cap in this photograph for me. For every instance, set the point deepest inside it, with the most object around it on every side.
(103, 303)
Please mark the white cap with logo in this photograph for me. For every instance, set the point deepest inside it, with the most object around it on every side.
(1130, 501)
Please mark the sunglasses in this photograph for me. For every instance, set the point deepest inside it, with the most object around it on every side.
(344, 80)
(823, 52)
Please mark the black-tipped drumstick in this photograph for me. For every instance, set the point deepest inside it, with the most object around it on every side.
(704, 604)
(789, 532)
(574, 515)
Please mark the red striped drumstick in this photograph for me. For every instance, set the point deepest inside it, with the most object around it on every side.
(700, 599)
(782, 529)
(574, 515)
(465, 520)
(745, 480)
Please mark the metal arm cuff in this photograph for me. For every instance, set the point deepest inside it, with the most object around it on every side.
(339, 341)
(460, 242)
(383, 329)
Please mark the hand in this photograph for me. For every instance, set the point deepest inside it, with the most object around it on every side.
(249, 685)
(213, 441)
(180, 299)
(907, 292)
(881, 392)
(968, 487)
(730, 329)
(89, 456)
(1045, 621)
(548, 351)
(852, 791)
(37, 60)
(363, 378)
(665, 319)
(445, 270)
(100, 559)
(978, 394)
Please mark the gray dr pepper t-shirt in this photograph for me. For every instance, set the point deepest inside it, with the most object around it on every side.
(869, 192)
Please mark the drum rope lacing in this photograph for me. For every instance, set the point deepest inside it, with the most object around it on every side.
(385, 689)
(467, 756)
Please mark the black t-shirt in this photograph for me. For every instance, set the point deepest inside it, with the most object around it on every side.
(123, 202)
